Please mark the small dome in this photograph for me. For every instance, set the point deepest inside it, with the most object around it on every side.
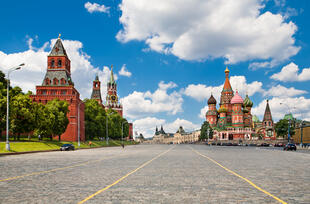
(247, 102)
(211, 100)
(237, 99)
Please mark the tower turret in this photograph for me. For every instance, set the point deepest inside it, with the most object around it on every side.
(247, 106)
(212, 114)
(237, 114)
(226, 96)
(96, 93)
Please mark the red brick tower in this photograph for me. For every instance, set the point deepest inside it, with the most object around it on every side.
(96, 94)
(212, 113)
(226, 96)
(112, 98)
(237, 113)
(57, 83)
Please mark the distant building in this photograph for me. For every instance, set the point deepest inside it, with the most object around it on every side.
(58, 84)
(96, 93)
(179, 137)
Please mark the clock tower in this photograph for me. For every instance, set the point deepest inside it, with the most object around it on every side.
(112, 98)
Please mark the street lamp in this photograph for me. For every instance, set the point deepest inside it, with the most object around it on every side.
(289, 122)
(7, 144)
(107, 135)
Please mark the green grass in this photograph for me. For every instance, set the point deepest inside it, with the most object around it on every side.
(23, 146)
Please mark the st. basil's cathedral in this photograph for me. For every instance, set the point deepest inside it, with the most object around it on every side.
(233, 120)
(58, 84)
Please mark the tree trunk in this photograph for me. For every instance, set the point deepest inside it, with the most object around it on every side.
(59, 138)
(18, 136)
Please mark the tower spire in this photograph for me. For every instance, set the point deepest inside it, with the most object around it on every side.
(267, 115)
(112, 76)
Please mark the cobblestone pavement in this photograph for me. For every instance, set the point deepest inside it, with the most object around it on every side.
(179, 176)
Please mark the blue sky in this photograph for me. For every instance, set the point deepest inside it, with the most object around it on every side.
(173, 54)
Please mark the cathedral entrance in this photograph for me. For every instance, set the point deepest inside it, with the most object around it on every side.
(230, 137)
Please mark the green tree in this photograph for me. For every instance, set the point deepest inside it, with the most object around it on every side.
(206, 131)
(21, 115)
(58, 111)
(95, 119)
(281, 128)
(43, 121)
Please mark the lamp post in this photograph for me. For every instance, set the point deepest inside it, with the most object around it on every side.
(7, 144)
(289, 123)
(122, 131)
(107, 132)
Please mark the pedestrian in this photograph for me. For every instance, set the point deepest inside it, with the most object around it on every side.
(123, 145)
(89, 143)
(39, 136)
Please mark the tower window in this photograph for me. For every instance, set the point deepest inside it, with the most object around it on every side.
(52, 63)
(59, 63)
(62, 81)
(47, 81)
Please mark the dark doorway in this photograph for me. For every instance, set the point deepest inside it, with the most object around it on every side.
(230, 137)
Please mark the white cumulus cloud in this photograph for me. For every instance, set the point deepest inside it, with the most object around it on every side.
(290, 73)
(299, 106)
(124, 71)
(236, 30)
(283, 92)
(94, 7)
(202, 92)
(138, 104)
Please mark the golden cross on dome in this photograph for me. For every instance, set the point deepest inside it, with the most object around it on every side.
(59, 36)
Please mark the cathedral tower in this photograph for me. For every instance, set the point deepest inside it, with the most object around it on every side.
(247, 106)
(237, 113)
(268, 123)
(212, 113)
(226, 96)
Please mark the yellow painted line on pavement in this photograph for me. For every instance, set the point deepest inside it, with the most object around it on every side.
(57, 169)
(119, 180)
(245, 179)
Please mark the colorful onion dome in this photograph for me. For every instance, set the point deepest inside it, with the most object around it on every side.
(247, 102)
(237, 99)
(222, 109)
(211, 100)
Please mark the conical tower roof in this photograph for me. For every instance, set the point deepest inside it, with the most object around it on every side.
(227, 85)
(58, 49)
(267, 115)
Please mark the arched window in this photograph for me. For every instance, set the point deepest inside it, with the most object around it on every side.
(52, 63)
(62, 81)
(59, 63)
(55, 81)
(47, 81)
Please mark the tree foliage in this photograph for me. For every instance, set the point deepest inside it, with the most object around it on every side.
(206, 131)
(95, 119)
(281, 128)
(58, 111)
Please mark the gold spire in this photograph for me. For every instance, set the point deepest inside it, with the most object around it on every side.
(226, 70)
(59, 36)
